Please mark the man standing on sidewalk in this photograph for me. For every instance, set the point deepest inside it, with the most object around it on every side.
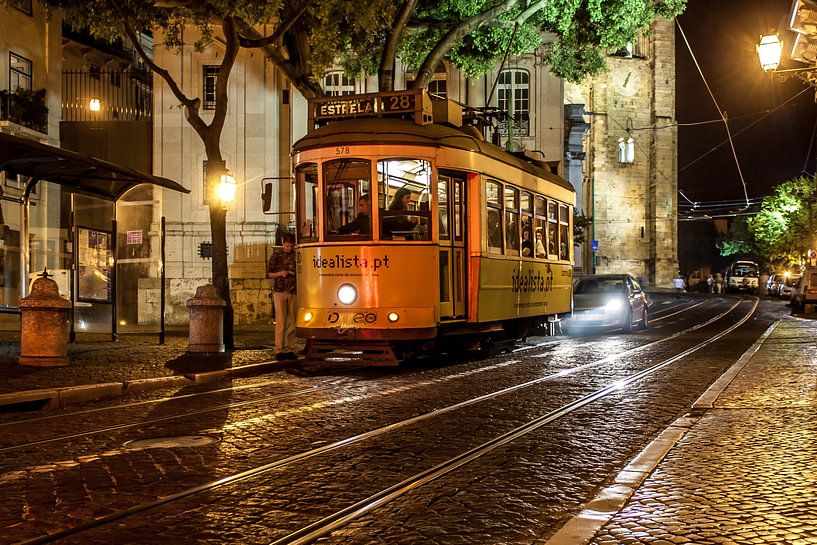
(281, 268)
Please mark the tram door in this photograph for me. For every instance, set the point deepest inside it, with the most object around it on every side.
(451, 207)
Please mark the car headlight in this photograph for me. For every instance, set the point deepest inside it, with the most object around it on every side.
(613, 305)
(347, 294)
(393, 316)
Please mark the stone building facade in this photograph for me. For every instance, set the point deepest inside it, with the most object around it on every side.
(630, 165)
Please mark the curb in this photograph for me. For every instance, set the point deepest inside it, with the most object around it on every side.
(47, 399)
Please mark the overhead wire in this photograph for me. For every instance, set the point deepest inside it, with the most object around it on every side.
(720, 111)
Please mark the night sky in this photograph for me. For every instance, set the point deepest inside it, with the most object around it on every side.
(723, 34)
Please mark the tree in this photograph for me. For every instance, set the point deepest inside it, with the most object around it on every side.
(779, 233)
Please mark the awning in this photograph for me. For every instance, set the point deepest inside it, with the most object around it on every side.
(77, 173)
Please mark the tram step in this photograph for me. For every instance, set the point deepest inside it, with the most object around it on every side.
(333, 353)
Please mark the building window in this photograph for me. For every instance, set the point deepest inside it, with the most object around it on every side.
(336, 84)
(22, 5)
(438, 88)
(94, 70)
(204, 194)
(116, 79)
(626, 151)
(19, 72)
(638, 48)
(210, 75)
(513, 98)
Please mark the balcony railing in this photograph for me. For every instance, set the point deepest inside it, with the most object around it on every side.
(118, 96)
(26, 108)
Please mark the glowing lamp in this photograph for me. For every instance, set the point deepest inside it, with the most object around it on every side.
(768, 51)
(347, 294)
(307, 316)
(94, 105)
(226, 189)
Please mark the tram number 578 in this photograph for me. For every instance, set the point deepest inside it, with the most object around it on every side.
(342, 150)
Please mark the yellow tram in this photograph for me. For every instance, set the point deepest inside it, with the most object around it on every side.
(412, 232)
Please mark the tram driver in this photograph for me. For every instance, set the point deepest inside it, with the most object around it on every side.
(362, 224)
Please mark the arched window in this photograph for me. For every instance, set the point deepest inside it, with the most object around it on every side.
(337, 84)
(513, 98)
(626, 150)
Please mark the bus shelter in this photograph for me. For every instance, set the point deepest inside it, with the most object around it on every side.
(93, 225)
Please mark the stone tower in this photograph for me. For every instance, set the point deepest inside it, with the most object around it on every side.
(630, 178)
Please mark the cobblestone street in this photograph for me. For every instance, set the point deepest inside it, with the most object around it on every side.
(504, 449)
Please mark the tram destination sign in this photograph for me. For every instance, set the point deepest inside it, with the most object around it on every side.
(413, 103)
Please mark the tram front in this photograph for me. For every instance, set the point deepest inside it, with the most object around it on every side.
(366, 262)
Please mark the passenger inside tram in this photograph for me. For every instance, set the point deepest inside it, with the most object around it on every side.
(540, 245)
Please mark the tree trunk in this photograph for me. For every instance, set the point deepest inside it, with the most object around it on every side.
(385, 72)
(218, 232)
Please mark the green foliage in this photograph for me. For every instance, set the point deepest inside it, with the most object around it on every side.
(580, 225)
(779, 232)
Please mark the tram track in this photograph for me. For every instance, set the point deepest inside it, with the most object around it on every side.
(284, 395)
(340, 518)
(327, 524)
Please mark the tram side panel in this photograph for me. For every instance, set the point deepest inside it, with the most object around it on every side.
(389, 282)
(511, 289)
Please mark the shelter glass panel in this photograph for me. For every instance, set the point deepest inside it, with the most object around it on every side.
(404, 199)
(347, 186)
(94, 249)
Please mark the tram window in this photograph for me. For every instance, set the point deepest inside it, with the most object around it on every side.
(553, 229)
(564, 237)
(511, 220)
(442, 203)
(307, 180)
(493, 192)
(540, 228)
(458, 204)
(526, 219)
(403, 192)
(347, 184)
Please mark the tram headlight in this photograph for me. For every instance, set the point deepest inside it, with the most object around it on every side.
(307, 316)
(347, 294)
(613, 305)
(393, 316)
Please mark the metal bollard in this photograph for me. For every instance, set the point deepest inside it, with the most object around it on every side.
(44, 325)
(206, 320)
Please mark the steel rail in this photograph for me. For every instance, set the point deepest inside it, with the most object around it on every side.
(318, 451)
(330, 523)
(98, 431)
(140, 403)
(144, 423)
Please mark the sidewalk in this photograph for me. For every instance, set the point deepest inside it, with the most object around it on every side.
(99, 368)
(739, 469)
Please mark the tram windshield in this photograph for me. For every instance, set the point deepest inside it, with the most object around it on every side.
(347, 198)
(403, 199)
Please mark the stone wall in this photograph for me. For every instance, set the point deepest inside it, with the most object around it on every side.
(633, 205)
(251, 291)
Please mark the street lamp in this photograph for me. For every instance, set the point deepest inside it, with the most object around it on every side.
(769, 51)
(226, 189)
(94, 105)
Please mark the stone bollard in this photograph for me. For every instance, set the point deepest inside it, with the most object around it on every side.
(44, 323)
(206, 320)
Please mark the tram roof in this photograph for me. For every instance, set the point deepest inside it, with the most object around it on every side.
(76, 172)
(400, 131)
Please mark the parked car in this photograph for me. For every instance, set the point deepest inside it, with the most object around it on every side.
(805, 291)
(788, 284)
(608, 300)
(773, 284)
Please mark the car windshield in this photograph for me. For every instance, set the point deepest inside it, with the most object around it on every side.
(599, 285)
(744, 269)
